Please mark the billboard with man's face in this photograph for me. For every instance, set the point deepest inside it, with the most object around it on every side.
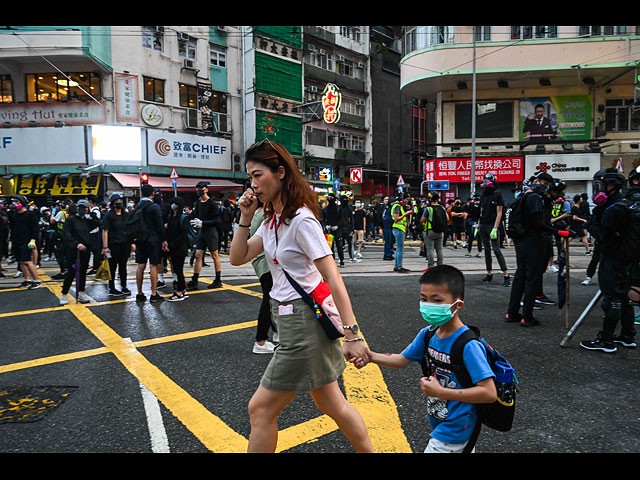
(557, 118)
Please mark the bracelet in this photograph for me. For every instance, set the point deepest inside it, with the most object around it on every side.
(357, 339)
(245, 226)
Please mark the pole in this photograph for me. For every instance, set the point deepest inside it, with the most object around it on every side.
(586, 311)
(473, 123)
(567, 278)
(388, 147)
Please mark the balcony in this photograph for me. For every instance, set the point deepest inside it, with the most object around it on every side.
(326, 76)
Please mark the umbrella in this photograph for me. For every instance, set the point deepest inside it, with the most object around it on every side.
(76, 267)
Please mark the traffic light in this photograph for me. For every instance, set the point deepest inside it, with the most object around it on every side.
(144, 179)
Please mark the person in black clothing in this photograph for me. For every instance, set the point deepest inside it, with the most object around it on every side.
(23, 224)
(165, 208)
(96, 238)
(151, 250)
(457, 222)
(4, 235)
(530, 252)
(613, 272)
(331, 220)
(76, 240)
(225, 225)
(178, 243)
(491, 211)
(472, 209)
(116, 246)
(205, 217)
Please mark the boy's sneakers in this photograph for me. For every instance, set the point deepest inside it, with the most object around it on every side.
(84, 298)
(141, 297)
(487, 278)
(64, 300)
(587, 281)
(554, 269)
(177, 297)
(35, 285)
(507, 281)
(513, 318)
(268, 347)
(544, 300)
(114, 292)
(160, 284)
(600, 344)
(126, 291)
(155, 298)
(529, 322)
(192, 284)
(215, 284)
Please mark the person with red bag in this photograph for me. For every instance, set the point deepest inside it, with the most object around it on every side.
(306, 359)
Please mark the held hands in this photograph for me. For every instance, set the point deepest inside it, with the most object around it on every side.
(357, 353)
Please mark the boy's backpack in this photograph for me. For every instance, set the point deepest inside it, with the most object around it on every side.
(136, 228)
(514, 220)
(499, 414)
(631, 240)
(437, 217)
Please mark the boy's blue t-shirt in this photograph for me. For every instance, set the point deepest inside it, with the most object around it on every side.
(451, 421)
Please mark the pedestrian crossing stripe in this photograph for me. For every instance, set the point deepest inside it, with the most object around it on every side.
(365, 388)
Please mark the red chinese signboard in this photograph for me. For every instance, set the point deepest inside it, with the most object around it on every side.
(331, 100)
(458, 170)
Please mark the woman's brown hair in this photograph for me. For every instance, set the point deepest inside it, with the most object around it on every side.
(296, 191)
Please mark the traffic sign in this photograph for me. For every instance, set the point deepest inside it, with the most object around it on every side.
(174, 174)
(356, 175)
(439, 185)
(336, 184)
(400, 180)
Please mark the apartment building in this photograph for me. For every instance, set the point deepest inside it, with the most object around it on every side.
(582, 81)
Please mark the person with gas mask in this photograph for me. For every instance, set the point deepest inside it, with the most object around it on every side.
(616, 256)
(491, 211)
(116, 246)
(23, 225)
(531, 249)
(205, 218)
(76, 239)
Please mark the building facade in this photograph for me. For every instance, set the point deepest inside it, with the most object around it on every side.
(582, 81)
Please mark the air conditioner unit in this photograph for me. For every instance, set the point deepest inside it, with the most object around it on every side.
(189, 64)
(321, 51)
(333, 133)
(313, 171)
(343, 134)
(340, 58)
(360, 65)
(183, 36)
(360, 102)
(311, 47)
(313, 89)
(192, 119)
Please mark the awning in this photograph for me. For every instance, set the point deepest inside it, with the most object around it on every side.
(132, 180)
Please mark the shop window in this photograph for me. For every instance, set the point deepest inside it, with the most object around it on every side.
(620, 117)
(6, 89)
(186, 46)
(493, 120)
(153, 38)
(56, 87)
(188, 96)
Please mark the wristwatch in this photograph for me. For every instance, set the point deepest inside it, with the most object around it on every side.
(354, 328)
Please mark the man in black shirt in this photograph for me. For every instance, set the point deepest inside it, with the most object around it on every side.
(491, 210)
(457, 222)
(205, 217)
(529, 251)
(359, 227)
(472, 209)
(23, 224)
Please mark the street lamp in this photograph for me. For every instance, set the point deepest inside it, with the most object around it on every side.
(472, 187)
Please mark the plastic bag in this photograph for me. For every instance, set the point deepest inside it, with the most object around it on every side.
(104, 272)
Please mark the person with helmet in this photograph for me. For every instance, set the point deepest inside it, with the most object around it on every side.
(613, 271)
(23, 224)
(634, 270)
(491, 211)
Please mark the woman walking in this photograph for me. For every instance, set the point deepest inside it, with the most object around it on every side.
(306, 360)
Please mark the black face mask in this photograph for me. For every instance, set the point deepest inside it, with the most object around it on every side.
(200, 193)
(82, 211)
(117, 206)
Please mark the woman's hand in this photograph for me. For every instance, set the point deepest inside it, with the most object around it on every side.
(248, 203)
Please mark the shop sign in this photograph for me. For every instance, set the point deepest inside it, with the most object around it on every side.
(56, 185)
(458, 170)
(179, 150)
(564, 166)
(47, 114)
(325, 174)
(279, 49)
(331, 100)
(42, 146)
(127, 97)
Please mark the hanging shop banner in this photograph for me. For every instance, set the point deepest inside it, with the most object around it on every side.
(331, 100)
(47, 114)
(575, 166)
(42, 146)
(57, 185)
(176, 150)
(205, 92)
(127, 97)
(555, 118)
(458, 170)
(429, 170)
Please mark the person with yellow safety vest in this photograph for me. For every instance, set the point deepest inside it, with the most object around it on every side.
(434, 219)
(399, 214)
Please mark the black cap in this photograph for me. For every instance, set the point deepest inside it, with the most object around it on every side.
(202, 184)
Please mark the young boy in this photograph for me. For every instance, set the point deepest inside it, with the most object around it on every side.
(452, 413)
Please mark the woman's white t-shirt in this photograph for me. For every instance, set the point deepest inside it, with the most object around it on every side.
(299, 244)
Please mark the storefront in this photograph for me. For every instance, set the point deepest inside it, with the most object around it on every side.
(576, 170)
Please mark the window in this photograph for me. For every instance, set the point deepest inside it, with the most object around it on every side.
(352, 32)
(410, 43)
(344, 67)
(6, 89)
(55, 87)
(153, 38)
(186, 46)
(321, 59)
(493, 120)
(419, 129)
(217, 56)
(153, 89)
(482, 33)
(546, 32)
(585, 31)
(188, 96)
(619, 117)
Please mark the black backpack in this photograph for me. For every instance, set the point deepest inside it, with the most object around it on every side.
(514, 223)
(438, 218)
(136, 228)
(630, 244)
(497, 415)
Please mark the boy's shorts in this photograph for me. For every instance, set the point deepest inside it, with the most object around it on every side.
(148, 252)
(207, 240)
(22, 252)
(358, 236)
(437, 446)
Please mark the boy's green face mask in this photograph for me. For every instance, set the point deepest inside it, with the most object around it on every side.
(437, 314)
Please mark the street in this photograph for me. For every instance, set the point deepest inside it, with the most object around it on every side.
(177, 377)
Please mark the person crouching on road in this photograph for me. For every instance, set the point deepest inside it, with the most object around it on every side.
(76, 240)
